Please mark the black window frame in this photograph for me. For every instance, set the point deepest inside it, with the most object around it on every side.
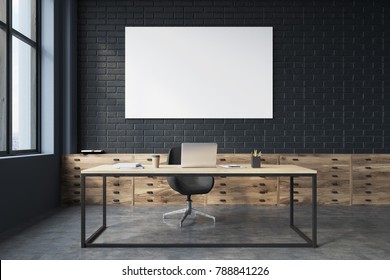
(10, 33)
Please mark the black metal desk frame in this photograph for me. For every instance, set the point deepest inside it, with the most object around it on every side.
(309, 242)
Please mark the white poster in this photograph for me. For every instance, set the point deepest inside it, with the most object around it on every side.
(199, 72)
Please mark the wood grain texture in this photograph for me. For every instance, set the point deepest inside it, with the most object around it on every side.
(370, 179)
(342, 180)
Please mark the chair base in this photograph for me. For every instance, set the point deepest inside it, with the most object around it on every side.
(188, 211)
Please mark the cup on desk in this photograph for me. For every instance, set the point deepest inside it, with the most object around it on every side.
(156, 161)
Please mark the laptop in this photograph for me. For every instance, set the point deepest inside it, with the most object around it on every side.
(198, 155)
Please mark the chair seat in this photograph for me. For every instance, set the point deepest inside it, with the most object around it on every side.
(191, 185)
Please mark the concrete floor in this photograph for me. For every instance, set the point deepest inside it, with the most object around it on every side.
(357, 232)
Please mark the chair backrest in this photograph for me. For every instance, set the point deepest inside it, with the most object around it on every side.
(187, 185)
(174, 156)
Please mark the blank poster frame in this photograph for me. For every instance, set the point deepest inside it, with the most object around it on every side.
(199, 72)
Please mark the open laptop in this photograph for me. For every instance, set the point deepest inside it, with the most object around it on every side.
(198, 154)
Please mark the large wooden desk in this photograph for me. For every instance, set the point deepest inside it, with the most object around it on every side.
(291, 171)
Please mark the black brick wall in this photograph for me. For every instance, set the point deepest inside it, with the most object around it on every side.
(331, 77)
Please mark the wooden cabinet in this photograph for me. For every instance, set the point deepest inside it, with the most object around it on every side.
(371, 179)
(342, 180)
(333, 179)
(243, 190)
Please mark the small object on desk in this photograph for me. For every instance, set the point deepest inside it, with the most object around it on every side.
(129, 165)
(85, 152)
(231, 166)
(256, 159)
(156, 161)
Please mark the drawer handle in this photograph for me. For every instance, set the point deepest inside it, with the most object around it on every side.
(368, 159)
(149, 200)
(295, 159)
(76, 192)
(335, 176)
(262, 200)
(368, 176)
(116, 159)
(335, 167)
(117, 184)
(222, 159)
(335, 184)
(296, 184)
(222, 192)
(368, 200)
(263, 192)
(368, 184)
(149, 184)
(116, 200)
(149, 159)
(76, 176)
(116, 192)
(262, 184)
(335, 159)
(296, 200)
(222, 200)
(369, 192)
(76, 184)
(368, 167)
(222, 184)
(149, 192)
(77, 168)
(262, 159)
(335, 192)
(296, 191)
(117, 176)
(76, 159)
(334, 200)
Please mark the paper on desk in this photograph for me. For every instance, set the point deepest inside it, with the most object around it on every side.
(232, 166)
(130, 165)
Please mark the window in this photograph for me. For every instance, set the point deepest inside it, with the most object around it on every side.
(19, 77)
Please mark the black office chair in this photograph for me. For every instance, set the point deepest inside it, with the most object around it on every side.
(188, 185)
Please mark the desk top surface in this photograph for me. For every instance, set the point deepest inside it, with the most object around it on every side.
(167, 170)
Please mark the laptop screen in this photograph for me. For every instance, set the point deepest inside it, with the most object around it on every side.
(198, 154)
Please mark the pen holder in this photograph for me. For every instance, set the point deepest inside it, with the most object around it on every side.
(255, 162)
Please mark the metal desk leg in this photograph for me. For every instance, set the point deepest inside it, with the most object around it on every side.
(82, 211)
(291, 200)
(104, 201)
(314, 210)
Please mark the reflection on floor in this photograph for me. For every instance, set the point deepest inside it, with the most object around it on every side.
(356, 232)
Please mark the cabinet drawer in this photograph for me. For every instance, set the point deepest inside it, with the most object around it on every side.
(245, 182)
(96, 182)
(377, 172)
(95, 196)
(243, 200)
(325, 196)
(370, 159)
(165, 197)
(304, 182)
(310, 161)
(146, 159)
(242, 195)
(87, 161)
(301, 196)
(245, 159)
(334, 196)
(371, 199)
(149, 181)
